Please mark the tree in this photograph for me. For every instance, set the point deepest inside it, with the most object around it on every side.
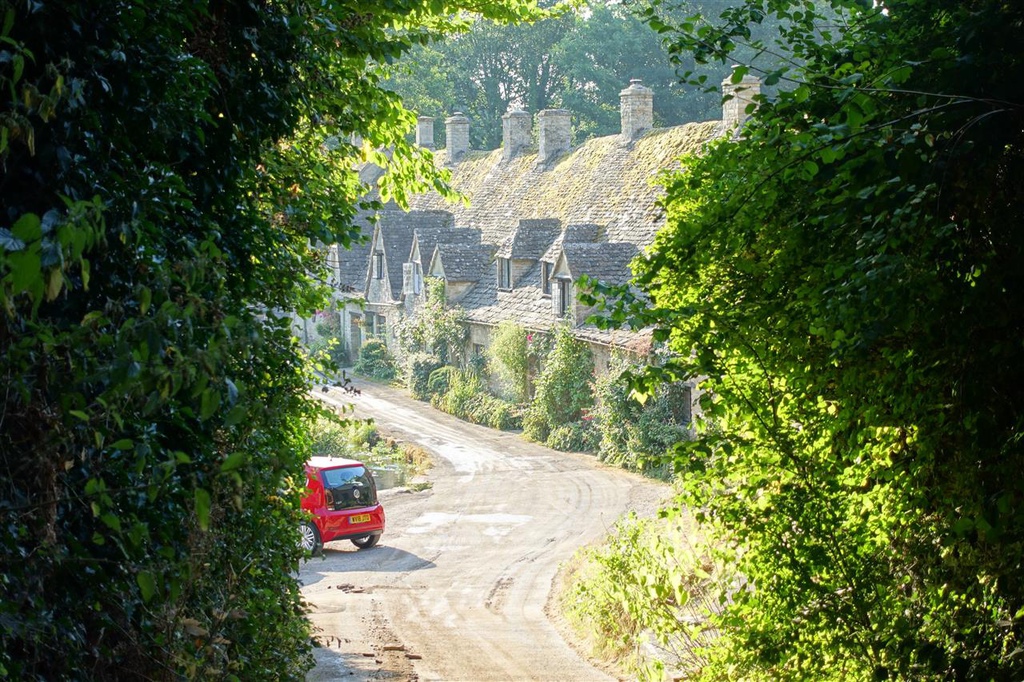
(167, 169)
(843, 275)
(579, 60)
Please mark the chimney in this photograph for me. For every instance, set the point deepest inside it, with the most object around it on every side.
(555, 133)
(734, 111)
(515, 133)
(425, 131)
(457, 131)
(637, 109)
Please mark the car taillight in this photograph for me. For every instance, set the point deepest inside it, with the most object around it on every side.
(329, 498)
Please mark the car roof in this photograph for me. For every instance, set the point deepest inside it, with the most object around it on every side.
(332, 462)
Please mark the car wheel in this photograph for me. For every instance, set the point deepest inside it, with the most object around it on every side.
(310, 538)
(366, 542)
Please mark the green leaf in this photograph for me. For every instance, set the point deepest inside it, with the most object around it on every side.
(209, 403)
(233, 461)
(203, 505)
(28, 228)
(147, 585)
(111, 521)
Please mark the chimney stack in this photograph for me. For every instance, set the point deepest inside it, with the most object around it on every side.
(457, 130)
(637, 110)
(555, 133)
(734, 111)
(425, 131)
(515, 133)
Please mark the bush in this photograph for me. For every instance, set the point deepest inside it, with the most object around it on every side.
(420, 368)
(375, 361)
(650, 584)
(640, 437)
(564, 388)
(467, 399)
(535, 426)
(438, 383)
(508, 356)
(581, 436)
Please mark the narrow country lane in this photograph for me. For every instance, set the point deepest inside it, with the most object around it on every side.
(458, 586)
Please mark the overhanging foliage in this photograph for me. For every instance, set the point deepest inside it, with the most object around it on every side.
(166, 168)
(845, 276)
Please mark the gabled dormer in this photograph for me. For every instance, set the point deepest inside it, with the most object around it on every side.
(607, 262)
(425, 240)
(519, 253)
(460, 266)
(389, 247)
(577, 232)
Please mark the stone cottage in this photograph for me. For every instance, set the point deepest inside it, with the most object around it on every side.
(540, 215)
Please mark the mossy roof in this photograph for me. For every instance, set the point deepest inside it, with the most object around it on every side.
(605, 181)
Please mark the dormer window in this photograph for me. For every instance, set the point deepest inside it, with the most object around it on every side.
(545, 278)
(504, 273)
(378, 265)
(417, 279)
(564, 297)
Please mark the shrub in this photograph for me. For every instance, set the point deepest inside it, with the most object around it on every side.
(651, 583)
(375, 361)
(420, 367)
(639, 436)
(466, 398)
(564, 388)
(535, 426)
(438, 383)
(508, 358)
(581, 436)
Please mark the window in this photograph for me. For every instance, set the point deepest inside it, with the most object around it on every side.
(417, 279)
(545, 278)
(478, 350)
(378, 265)
(377, 323)
(564, 297)
(504, 273)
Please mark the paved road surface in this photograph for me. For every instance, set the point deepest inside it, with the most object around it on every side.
(457, 588)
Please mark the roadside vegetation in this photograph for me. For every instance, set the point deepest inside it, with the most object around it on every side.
(839, 277)
(840, 280)
(542, 384)
(337, 436)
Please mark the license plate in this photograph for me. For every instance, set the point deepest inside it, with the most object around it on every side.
(359, 518)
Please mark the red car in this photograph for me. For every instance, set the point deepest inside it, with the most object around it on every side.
(342, 500)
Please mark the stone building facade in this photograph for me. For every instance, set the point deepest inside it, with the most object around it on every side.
(540, 214)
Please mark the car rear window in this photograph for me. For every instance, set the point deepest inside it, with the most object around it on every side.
(349, 487)
(338, 477)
